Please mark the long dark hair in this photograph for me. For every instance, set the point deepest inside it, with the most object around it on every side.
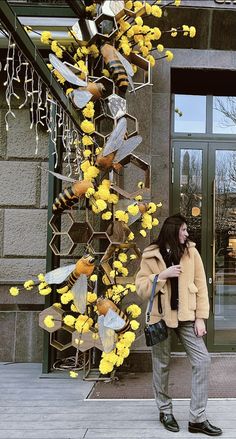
(169, 236)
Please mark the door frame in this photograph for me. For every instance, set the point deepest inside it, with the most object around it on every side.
(208, 148)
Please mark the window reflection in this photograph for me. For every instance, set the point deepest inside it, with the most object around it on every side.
(190, 114)
(225, 246)
(224, 114)
(191, 191)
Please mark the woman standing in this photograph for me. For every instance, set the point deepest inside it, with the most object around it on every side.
(185, 305)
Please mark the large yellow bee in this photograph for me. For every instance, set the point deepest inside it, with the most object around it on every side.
(70, 195)
(119, 68)
(117, 147)
(86, 91)
(111, 322)
(77, 281)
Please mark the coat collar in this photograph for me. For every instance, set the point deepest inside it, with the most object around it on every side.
(153, 251)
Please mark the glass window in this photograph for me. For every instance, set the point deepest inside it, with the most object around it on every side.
(224, 114)
(190, 114)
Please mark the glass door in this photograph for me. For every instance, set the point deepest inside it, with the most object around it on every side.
(204, 191)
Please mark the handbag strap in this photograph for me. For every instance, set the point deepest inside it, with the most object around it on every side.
(152, 298)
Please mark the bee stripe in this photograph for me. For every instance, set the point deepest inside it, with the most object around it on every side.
(65, 199)
(72, 279)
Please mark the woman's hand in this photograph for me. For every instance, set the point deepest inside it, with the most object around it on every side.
(199, 327)
(173, 271)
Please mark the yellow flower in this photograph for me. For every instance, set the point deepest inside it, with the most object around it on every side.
(128, 338)
(69, 320)
(87, 140)
(113, 198)
(46, 37)
(155, 222)
(45, 291)
(134, 310)
(93, 278)
(63, 290)
(105, 73)
(28, 29)
(131, 236)
(112, 273)
(133, 209)
(177, 2)
(88, 111)
(138, 198)
(121, 215)
(160, 47)
(134, 325)
(117, 264)
(169, 55)
(28, 285)
(143, 233)
(87, 153)
(185, 29)
(122, 257)
(105, 280)
(156, 33)
(141, 185)
(73, 374)
(173, 32)
(105, 366)
(192, 31)
(144, 50)
(133, 257)
(152, 61)
(91, 297)
(124, 271)
(90, 191)
(69, 90)
(137, 5)
(106, 215)
(159, 204)
(41, 277)
(101, 205)
(92, 172)
(59, 76)
(98, 150)
(129, 4)
(87, 126)
(73, 308)
(85, 165)
(49, 321)
(152, 207)
(131, 287)
(139, 21)
(57, 305)
(156, 11)
(83, 323)
(66, 298)
(148, 9)
(110, 356)
(103, 193)
(14, 291)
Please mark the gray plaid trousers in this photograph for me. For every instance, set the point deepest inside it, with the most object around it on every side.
(200, 361)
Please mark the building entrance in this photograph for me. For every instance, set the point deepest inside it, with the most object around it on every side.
(204, 191)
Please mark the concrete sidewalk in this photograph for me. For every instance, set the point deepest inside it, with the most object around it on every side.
(56, 408)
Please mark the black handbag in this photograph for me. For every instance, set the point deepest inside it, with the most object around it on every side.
(156, 332)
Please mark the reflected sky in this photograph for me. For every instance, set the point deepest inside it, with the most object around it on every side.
(193, 109)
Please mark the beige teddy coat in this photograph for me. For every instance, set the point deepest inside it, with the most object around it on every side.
(193, 294)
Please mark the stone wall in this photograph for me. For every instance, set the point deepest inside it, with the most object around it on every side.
(23, 231)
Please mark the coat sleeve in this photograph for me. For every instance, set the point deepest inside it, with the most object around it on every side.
(145, 278)
(202, 308)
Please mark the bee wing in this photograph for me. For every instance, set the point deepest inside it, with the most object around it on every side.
(113, 320)
(65, 71)
(62, 177)
(81, 97)
(116, 137)
(128, 146)
(58, 275)
(79, 291)
(107, 335)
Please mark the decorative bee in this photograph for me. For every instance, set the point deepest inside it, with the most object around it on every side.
(87, 91)
(117, 147)
(70, 195)
(77, 281)
(114, 318)
(119, 68)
